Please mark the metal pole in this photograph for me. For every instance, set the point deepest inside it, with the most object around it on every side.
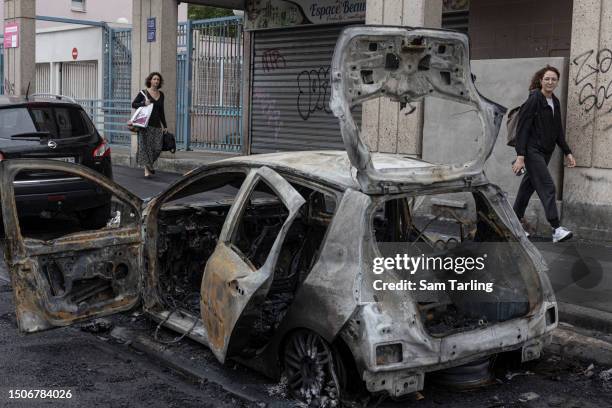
(243, 75)
(187, 82)
(109, 39)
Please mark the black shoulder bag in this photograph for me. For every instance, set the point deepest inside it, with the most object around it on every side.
(169, 143)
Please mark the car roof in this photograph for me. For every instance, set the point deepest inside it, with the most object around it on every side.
(330, 166)
(17, 100)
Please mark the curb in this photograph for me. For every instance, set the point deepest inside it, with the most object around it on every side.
(166, 357)
(581, 344)
(585, 317)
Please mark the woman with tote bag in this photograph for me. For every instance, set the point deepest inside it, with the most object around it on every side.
(150, 138)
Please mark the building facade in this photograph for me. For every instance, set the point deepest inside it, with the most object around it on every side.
(69, 56)
(287, 52)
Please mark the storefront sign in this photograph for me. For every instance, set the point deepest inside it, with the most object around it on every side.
(11, 35)
(75, 53)
(151, 29)
(288, 13)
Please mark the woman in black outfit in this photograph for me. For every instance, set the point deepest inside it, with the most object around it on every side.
(150, 138)
(539, 129)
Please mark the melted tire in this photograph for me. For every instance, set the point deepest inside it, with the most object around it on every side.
(313, 370)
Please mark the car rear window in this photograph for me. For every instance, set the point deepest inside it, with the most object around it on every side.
(61, 122)
(14, 121)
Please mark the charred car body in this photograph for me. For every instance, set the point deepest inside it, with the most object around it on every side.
(279, 274)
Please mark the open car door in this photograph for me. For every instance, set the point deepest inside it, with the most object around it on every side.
(240, 271)
(406, 65)
(79, 273)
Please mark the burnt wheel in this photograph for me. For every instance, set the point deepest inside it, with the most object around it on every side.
(313, 370)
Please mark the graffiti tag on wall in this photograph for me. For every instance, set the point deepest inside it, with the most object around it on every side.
(590, 64)
(313, 92)
(272, 59)
(267, 107)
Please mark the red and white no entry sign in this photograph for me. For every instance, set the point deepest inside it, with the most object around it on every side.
(75, 53)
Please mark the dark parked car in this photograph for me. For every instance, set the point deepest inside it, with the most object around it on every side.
(44, 127)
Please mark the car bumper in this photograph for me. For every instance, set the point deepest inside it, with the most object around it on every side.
(422, 354)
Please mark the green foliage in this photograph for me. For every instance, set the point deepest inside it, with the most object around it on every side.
(195, 12)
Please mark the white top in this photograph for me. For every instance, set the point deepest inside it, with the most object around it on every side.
(551, 104)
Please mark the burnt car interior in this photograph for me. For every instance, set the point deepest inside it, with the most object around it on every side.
(89, 277)
(448, 233)
(189, 228)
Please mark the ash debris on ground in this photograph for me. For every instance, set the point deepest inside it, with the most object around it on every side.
(552, 381)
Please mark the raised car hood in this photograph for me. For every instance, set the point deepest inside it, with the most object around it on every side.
(406, 64)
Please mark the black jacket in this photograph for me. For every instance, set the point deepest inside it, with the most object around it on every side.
(538, 127)
(158, 116)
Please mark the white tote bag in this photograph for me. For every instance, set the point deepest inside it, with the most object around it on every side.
(141, 117)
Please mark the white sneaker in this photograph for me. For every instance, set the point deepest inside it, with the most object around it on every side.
(561, 234)
(525, 226)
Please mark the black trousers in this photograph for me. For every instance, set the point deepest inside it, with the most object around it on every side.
(537, 179)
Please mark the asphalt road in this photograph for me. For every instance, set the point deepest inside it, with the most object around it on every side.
(100, 371)
(134, 180)
(97, 371)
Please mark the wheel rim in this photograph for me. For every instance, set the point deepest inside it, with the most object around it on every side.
(309, 368)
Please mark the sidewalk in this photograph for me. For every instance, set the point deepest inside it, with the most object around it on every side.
(180, 162)
(581, 275)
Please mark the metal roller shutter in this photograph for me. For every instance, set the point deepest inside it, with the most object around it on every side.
(291, 90)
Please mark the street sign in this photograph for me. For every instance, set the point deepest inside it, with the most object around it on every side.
(11, 35)
(151, 29)
(75, 53)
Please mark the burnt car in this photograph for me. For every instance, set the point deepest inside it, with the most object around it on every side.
(268, 259)
(55, 127)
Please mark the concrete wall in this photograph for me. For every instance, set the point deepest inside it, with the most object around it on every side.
(450, 129)
(520, 28)
(95, 10)
(587, 204)
(19, 65)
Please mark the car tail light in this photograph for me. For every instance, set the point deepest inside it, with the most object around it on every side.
(389, 354)
(1, 156)
(103, 150)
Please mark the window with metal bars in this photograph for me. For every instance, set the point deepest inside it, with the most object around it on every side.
(77, 5)
(455, 15)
